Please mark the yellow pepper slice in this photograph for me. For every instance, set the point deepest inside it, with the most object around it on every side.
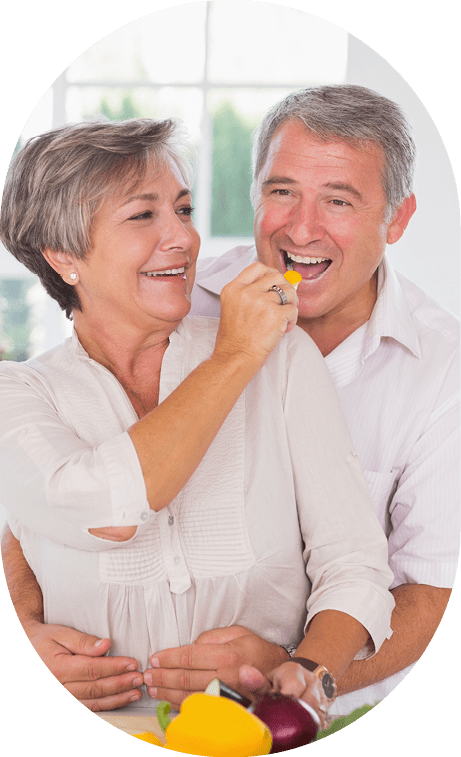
(217, 727)
(150, 737)
(293, 277)
(213, 726)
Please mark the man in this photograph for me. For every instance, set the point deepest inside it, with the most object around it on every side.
(332, 186)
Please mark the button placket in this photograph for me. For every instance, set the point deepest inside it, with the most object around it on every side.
(178, 573)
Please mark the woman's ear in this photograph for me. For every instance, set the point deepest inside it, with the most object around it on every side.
(401, 219)
(63, 263)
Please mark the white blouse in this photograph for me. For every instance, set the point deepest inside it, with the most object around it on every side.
(275, 525)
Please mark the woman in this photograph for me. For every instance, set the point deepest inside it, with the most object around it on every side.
(166, 475)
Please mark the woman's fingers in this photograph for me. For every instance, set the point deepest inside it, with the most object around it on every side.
(257, 308)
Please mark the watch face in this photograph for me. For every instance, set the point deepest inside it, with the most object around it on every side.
(328, 685)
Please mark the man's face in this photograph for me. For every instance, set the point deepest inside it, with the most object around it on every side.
(320, 207)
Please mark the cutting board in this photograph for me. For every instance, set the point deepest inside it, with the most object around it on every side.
(133, 723)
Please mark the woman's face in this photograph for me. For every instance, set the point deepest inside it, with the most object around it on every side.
(141, 266)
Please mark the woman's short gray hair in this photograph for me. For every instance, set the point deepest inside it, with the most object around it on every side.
(59, 180)
(352, 114)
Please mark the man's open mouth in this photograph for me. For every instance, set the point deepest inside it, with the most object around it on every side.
(168, 272)
(309, 267)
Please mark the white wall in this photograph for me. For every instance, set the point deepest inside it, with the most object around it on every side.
(428, 252)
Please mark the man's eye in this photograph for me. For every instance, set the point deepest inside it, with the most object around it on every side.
(141, 216)
(340, 202)
(283, 192)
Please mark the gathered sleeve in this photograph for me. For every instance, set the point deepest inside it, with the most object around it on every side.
(345, 549)
(53, 481)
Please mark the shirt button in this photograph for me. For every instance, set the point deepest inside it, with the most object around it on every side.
(144, 516)
(177, 560)
(170, 520)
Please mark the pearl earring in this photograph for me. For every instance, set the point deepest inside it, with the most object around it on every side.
(73, 276)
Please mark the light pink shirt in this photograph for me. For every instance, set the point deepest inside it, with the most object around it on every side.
(398, 383)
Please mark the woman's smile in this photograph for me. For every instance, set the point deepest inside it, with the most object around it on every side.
(141, 266)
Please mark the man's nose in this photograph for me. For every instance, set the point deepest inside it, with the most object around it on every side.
(305, 224)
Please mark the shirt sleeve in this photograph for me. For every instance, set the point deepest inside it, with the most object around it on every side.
(424, 511)
(54, 482)
(345, 548)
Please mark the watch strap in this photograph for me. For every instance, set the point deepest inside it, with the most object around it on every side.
(308, 664)
(326, 679)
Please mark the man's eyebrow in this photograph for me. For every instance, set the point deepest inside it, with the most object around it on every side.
(340, 186)
(277, 180)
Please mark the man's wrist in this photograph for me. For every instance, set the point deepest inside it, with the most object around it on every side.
(326, 679)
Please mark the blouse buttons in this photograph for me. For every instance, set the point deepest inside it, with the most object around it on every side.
(144, 516)
(170, 520)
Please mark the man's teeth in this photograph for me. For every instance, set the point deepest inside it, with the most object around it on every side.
(171, 272)
(306, 260)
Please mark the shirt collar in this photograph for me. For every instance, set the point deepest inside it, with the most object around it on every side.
(222, 274)
(391, 316)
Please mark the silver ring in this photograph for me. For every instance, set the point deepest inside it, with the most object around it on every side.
(281, 294)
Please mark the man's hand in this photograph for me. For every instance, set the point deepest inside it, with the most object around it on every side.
(176, 673)
(290, 679)
(76, 660)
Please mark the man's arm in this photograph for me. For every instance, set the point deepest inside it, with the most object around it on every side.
(332, 639)
(75, 659)
(417, 613)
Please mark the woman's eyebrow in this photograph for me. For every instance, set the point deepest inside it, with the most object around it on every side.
(149, 196)
(183, 193)
(152, 197)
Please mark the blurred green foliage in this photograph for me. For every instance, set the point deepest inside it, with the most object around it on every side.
(15, 319)
(231, 212)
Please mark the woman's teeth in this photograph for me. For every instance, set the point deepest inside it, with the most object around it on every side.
(170, 272)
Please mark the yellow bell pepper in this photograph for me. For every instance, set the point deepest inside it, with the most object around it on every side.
(215, 727)
(150, 737)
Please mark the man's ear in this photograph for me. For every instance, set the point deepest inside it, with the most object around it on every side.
(62, 262)
(401, 219)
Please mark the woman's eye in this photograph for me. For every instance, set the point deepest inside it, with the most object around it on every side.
(141, 216)
(186, 210)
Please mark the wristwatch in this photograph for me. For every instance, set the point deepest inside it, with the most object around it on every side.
(324, 675)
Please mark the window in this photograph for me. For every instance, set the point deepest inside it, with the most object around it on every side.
(209, 65)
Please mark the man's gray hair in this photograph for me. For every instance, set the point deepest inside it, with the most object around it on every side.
(352, 114)
(59, 180)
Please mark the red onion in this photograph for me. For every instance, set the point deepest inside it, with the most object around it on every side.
(291, 721)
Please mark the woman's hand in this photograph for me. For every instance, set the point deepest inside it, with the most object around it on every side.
(253, 318)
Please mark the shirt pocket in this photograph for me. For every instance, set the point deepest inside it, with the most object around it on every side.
(382, 488)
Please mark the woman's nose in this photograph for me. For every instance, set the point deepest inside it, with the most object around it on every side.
(175, 234)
